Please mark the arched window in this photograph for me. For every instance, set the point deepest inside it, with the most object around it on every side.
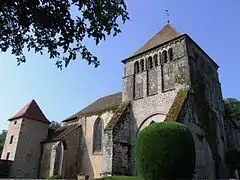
(142, 64)
(170, 54)
(150, 62)
(164, 56)
(97, 135)
(155, 57)
(136, 67)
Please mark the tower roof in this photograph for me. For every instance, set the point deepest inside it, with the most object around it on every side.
(31, 111)
(166, 34)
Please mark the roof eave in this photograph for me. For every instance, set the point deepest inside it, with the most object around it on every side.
(70, 119)
(135, 55)
(17, 117)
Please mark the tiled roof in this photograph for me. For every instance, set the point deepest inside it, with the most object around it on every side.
(61, 132)
(31, 111)
(166, 34)
(98, 105)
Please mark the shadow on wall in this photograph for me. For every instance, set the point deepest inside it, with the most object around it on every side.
(5, 166)
(133, 134)
(85, 165)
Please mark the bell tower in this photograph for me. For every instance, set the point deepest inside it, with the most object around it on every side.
(157, 66)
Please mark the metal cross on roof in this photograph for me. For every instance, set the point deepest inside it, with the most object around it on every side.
(168, 16)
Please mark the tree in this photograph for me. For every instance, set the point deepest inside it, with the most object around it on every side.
(232, 110)
(232, 159)
(165, 151)
(54, 125)
(2, 140)
(51, 26)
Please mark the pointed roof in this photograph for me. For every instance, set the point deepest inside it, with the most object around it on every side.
(31, 111)
(166, 34)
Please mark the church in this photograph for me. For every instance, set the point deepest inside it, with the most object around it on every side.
(170, 78)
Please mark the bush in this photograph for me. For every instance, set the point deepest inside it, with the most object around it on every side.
(232, 159)
(165, 151)
(55, 177)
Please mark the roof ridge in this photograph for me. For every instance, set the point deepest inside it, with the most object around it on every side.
(31, 111)
(167, 33)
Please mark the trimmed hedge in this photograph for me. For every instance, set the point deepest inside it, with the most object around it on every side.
(165, 151)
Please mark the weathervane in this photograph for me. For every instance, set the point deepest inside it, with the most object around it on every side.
(168, 15)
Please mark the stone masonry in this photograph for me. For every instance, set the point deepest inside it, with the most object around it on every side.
(170, 78)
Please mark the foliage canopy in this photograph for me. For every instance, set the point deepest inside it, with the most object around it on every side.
(232, 110)
(58, 27)
(2, 139)
(232, 159)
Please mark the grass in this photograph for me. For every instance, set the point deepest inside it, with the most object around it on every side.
(120, 178)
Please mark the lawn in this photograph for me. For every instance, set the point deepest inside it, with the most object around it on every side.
(120, 178)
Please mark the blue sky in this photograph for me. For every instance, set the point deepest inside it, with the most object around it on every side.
(214, 25)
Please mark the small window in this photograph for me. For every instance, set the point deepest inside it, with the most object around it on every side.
(170, 54)
(136, 67)
(15, 122)
(164, 56)
(142, 64)
(150, 62)
(8, 155)
(155, 57)
(11, 140)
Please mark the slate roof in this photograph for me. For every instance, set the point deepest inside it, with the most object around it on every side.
(62, 132)
(166, 34)
(31, 111)
(98, 105)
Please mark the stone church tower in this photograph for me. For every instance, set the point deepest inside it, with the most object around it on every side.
(23, 142)
(172, 78)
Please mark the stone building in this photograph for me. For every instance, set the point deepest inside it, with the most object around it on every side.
(170, 78)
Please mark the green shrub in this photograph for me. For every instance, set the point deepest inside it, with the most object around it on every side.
(165, 151)
(56, 176)
(232, 159)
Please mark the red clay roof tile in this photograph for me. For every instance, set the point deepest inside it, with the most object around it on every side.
(31, 111)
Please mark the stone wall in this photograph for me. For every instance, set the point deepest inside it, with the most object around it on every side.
(72, 154)
(92, 164)
(28, 152)
(150, 81)
(13, 130)
(46, 170)
(5, 167)
(121, 158)
(71, 144)
(205, 83)
(203, 114)
(204, 158)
